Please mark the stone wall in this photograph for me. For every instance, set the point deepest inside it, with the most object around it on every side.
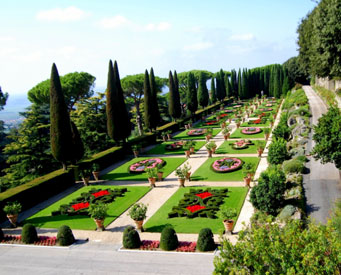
(327, 83)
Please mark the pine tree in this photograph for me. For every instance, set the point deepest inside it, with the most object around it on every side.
(156, 113)
(191, 95)
(174, 107)
(202, 91)
(213, 92)
(148, 102)
(60, 129)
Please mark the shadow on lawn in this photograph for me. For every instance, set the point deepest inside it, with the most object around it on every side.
(123, 177)
(40, 221)
(157, 228)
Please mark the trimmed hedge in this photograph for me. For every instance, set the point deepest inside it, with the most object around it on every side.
(205, 240)
(65, 236)
(29, 234)
(131, 238)
(169, 239)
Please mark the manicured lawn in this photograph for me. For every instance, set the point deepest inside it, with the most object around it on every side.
(122, 172)
(266, 124)
(161, 149)
(202, 125)
(183, 135)
(226, 148)
(237, 134)
(206, 173)
(116, 208)
(235, 199)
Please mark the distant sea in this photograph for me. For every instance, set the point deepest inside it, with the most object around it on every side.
(14, 105)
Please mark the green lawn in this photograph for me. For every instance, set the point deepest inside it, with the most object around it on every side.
(122, 172)
(237, 134)
(183, 135)
(161, 149)
(206, 173)
(159, 220)
(202, 125)
(226, 148)
(266, 124)
(116, 208)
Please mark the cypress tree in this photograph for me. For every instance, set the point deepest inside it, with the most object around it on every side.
(277, 83)
(213, 92)
(177, 94)
(156, 113)
(234, 83)
(223, 86)
(244, 85)
(191, 95)
(60, 127)
(240, 92)
(202, 91)
(148, 102)
(228, 87)
(174, 107)
(78, 147)
(110, 96)
(219, 88)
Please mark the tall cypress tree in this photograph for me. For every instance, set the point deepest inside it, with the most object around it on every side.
(277, 83)
(202, 91)
(174, 107)
(240, 92)
(60, 127)
(156, 113)
(219, 87)
(191, 95)
(78, 147)
(148, 102)
(213, 92)
(234, 83)
(177, 94)
(223, 86)
(111, 104)
(228, 87)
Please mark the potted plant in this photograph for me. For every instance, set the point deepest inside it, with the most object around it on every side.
(169, 132)
(271, 119)
(152, 175)
(95, 171)
(159, 168)
(209, 146)
(226, 214)
(260, 147)
(238, 123)
(138, 213)
(208, 134)
(98, 212)
(12, 210)
(136, 149)
(226, 133)
(85, 175)
(248, 172)
(223, 124)
(187, 147)
(181, 174)
(192, 144)
(213, 146)
(164, 136)
(187, 170)
(190, 122)
(266, 132)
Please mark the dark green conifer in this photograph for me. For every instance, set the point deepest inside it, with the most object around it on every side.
(174, 107)
(213, 92)
(156, 113)
(78, 147)
(240, 92)
(191, 95)
(148, 102)
(228, 88)
(202, 91)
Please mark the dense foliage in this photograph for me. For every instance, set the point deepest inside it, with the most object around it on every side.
(169, 239)
(29, 234)
(131, 238)
(277, 151)
(65, 236)
(205, 240)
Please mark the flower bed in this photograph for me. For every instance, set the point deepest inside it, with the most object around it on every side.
(196, 132)
(174, 146)
(229, 111)
(42, 240)
(211, 122)
(237, 106)
(241, 144)
(140, 166)
(199, 203)
(155, 245)
(226, 165)
(268, 105)
(251, 130)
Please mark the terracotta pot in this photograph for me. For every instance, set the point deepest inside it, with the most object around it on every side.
(96, 175)
(223, 125)
(188, 153)
(226, 136)
(152, 181)
(228, 225)
(260, 152)
(247, 181)
(208, 138)
(86, 181)
(188, 176)
(191, 150)
(159, 176)
(13, 219)
(99, 224)
(169, 136)
(182, 182)
(267, 136)
(164, 138)
(213, 150)
(186, 126)
(209, 153)
(136, 153)
(230, 119)
(238, 125)
(139, 225)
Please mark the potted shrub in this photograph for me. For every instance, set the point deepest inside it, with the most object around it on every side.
(190, 122)
(138, 213)
(213, 146)
(187, 169)
(85, 175)
(223, 124)
(164, 136)
(238, 123)
(266, 133)
(226, 133)
(95, 171)
(136, 150)
(169, 132)
(260, 147)
(152, 175)
(208, 134)
(209, 146)
(226, 214)
(271, 121)
(159, 168)
(181, 174)
(187, 147)
(192, 146)
(248, 172)
(98, 212)
(12, 210)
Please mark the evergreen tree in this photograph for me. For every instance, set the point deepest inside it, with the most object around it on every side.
(277, 83)
(148, 102)
(191, 96)
(174, 107)
(78, 147)
(177, 94)
(213, 92)
(219, 88)
(244, 85)
(240, 92)
(223, 86)
(202, 92)
(285, 87)
(234, 83)
(60, 129)
(153, 87)
(229, 92)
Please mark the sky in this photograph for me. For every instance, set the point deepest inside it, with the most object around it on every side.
(82, 35)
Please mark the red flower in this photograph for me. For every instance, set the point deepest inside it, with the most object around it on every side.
(101, 193)
(257, 121)
(80, 205)
(194, 208)
(204, 195)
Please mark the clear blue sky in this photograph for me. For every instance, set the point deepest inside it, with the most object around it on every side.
(82, 35)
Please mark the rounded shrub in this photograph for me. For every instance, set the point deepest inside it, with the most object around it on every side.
(293, 166)
(1, 235)
(169, 239)
(131, 238)
(277, 151)
(205, 240)
(65, 236)
(29, 233)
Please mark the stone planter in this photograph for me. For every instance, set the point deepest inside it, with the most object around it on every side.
(182, 182)
(159, 176)
(96, 175)
(152, 181)
(99, 224)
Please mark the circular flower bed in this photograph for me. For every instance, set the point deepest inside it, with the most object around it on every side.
(251, 130)
(241, 144)
(211, 122)
(225, 165)
(196, 132)
(140, 166)
(174, 146)
(237, 106)
(268, 105)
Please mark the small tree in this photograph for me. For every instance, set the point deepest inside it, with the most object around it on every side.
(268, 195)
(277, 151)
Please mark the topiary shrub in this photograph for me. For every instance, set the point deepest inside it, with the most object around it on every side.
(277, 151)
(1, 235)
(205, 240)
(65, 236)
(293, 166)
(29, 233)
(131, 238)
(169, 239)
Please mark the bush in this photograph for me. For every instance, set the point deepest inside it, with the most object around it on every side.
(1, 235)
(287, 212)
(65, 236)
(293, 166)
(169, 239)
(268, 195)
(29, 233)
(131, 238)
(277, 151)
(205, 240)
(302, 159)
